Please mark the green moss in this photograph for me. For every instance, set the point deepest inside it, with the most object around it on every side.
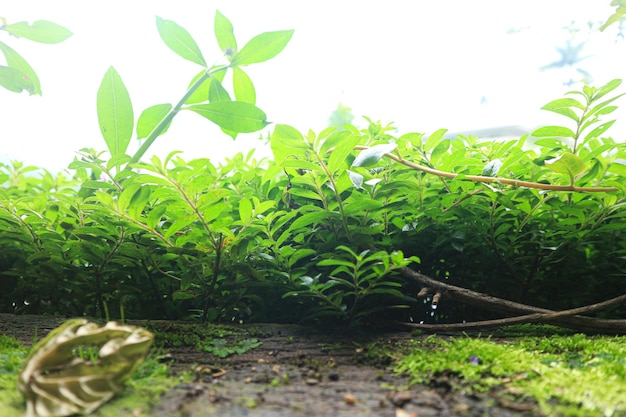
(567, 375)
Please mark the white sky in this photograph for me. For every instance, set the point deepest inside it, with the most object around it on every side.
(423, 65)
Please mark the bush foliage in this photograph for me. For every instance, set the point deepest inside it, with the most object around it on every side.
(320, 229)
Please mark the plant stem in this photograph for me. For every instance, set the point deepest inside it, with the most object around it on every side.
(508, 181)
(158, 130)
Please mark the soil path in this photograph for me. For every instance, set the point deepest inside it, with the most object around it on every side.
(300, 371)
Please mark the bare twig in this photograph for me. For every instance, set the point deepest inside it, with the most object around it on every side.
(567, 318)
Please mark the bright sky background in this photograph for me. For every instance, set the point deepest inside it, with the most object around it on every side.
(424, 65)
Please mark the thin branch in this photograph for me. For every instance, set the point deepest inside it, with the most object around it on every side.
(528, 318)
(507, 181)
(581, 323)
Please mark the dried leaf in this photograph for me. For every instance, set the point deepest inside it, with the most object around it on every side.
(57, 381)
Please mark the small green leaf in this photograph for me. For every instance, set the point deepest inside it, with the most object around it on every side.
(599, 130)
(245, 209)
(564, 106)
(29, 77)
(356, 179)
(217, 92)
(225, 34)
(607, 88)
(236, 116)
(434, 139)
(15, 80)
(262, 47)
(201, 94)
(554, 131)
(567, 163)
(492, 168)
(115, 113)
(338, 159)
(287, 143)
(372, 155)
(243, 87)
(180, 41)
(41, 31)
(150, 118)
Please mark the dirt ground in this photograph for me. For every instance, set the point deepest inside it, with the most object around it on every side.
(302, 371)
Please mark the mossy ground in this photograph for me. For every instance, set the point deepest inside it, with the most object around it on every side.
(567, 375)
(560, 373)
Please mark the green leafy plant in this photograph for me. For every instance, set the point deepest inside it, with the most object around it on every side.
(223, 349)
(17, 75)
(320, 230)
(205, 96)
(353, 287)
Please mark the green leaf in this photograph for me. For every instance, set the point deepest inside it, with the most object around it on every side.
(115, 112)
(217, 92)
(225, 34)
(287, 142)
(607, 88)
(180, 41)
(344, 146)
(245, 209)
(492, 168)
(372, 155)
(615, 17)
(150, 118)
(201, 94)
(567, 163)
(434, 139)
(41, 31)
(554, 131)
(599, 130)
(28, 80)
(243, 87)
(15, 80)
(237, 116)
(356, 179)
(564, 106)
(310, 219)
(262, 47)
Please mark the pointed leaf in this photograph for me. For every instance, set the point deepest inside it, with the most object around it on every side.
(607, 88)
(202, 92)
(180, 41)
(434, 139)
(243, 87)
(29, 77)
(372, 155)
(356, 179)
(225, 34)
(245, 209)
(217, 92)
(568, 163)
(262, 47)
(553, 131)
(287, 143)
(339, 157)
(15, 80)
(150, 118)
(41, 31)
(236, 116)
(564, 106)
(115, 113)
